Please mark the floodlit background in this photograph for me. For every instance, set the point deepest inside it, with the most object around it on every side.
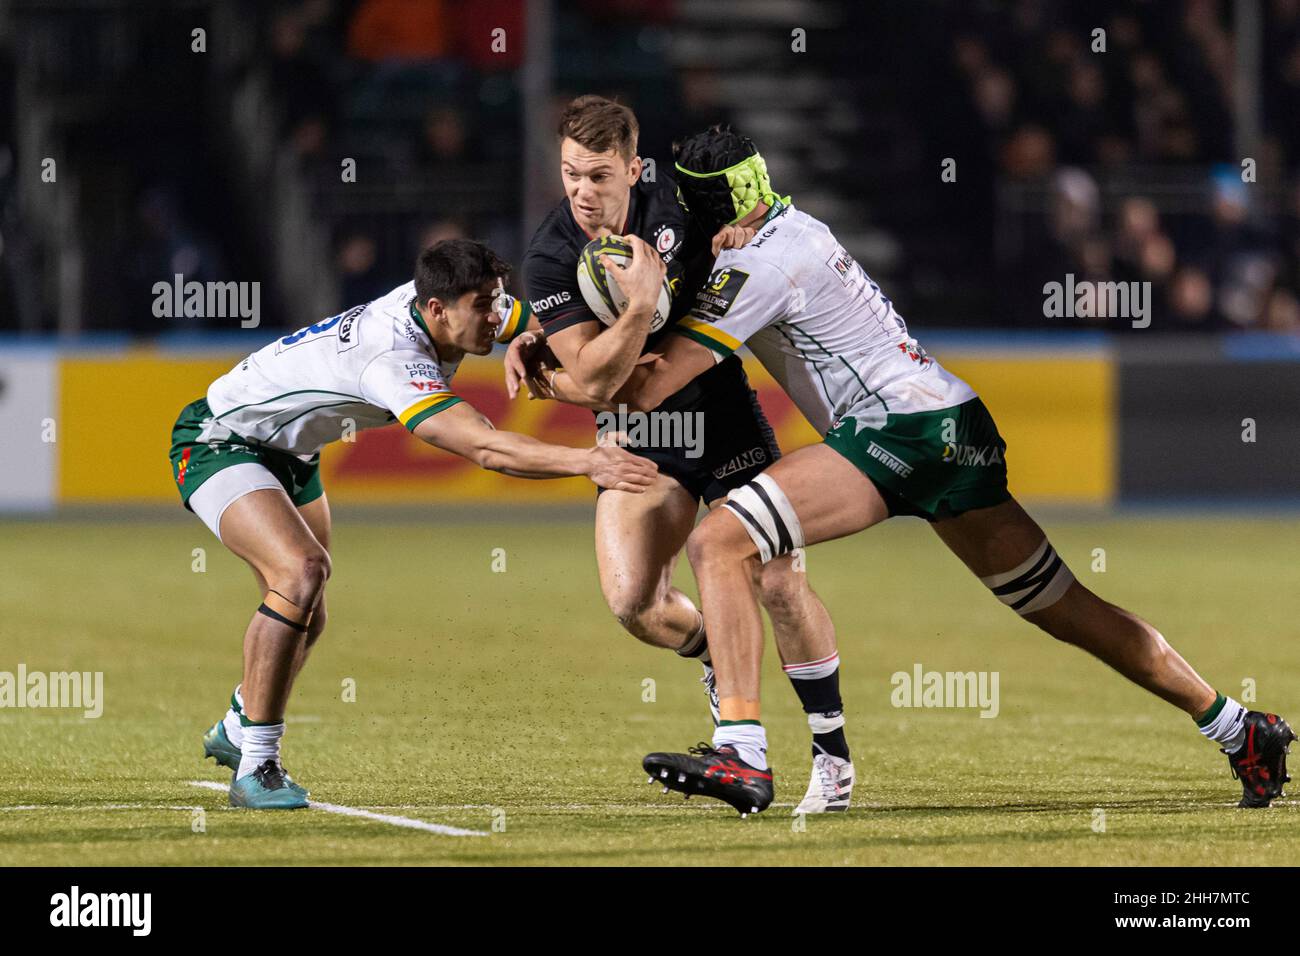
(966, 154)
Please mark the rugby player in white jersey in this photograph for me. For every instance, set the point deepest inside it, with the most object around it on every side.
(902, 437)
(638, 537)
(246, 461)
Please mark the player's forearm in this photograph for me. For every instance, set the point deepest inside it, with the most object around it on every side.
(564, 389)
(642, 392)
(606, 361)
(523, 457)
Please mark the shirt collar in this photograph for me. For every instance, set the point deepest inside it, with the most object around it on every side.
(419, 321)
(778, 206)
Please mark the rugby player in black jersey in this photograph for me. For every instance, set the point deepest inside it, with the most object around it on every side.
(639, 537)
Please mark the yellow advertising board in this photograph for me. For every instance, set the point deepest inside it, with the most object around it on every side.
(116, 414)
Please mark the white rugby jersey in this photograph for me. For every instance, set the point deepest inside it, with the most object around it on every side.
(818, 323)
(372, 364)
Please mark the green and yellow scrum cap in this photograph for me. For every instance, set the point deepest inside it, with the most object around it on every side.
(726, 196)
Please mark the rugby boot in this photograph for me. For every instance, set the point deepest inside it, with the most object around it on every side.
(713, 772)
(267, 788)
(217, 745)
(831, 786)
(1260, 763)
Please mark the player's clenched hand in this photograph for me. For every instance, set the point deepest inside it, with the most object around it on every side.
(541, 382)
(642, 278)
(521, 358)
(612, 467)
(732, 237)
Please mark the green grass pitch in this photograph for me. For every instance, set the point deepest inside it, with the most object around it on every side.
(511, 703)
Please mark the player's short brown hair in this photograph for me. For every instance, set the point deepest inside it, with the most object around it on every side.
(599, 124)
(450, 268)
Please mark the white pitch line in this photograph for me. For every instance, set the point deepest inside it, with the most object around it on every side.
(539, 807)
(99, 806)
(366, 814)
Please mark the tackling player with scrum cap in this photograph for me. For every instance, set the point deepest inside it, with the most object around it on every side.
(246, 460)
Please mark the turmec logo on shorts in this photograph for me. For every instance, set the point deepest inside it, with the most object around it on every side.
(974, 455)
(889, 460)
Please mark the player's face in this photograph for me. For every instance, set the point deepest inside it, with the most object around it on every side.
(471, 322)
(597, 185)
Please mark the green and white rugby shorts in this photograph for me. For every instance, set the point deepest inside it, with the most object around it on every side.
(213, 475)
(933, 464)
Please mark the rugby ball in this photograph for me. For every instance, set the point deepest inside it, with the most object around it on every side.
(600, 288)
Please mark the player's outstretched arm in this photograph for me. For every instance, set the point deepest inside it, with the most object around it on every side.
(462, 430)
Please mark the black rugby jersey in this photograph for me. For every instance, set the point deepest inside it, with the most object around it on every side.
(655, 214)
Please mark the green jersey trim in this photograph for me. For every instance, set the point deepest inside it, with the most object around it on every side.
(698, 331)
(430, 412)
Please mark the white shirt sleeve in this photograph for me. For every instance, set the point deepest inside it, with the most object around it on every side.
(737, 302)
(409, 384)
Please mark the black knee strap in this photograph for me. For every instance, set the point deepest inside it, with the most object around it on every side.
(277, 616)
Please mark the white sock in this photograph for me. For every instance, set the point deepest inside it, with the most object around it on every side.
(1228, 727)
(234, 729)
(261, 743)
(750, 741)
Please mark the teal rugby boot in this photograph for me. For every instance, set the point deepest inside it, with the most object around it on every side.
(217, 745)
(267, 788)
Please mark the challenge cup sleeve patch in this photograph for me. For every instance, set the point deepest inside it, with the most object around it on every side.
(720, 293)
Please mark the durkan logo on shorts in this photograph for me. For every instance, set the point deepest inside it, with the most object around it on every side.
(889, 460)
(746, 459)
(955, 454)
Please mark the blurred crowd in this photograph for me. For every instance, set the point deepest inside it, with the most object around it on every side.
(427, 95)
(414, 95)
(1109, 164)
(1221, 268)
(1122, 157)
